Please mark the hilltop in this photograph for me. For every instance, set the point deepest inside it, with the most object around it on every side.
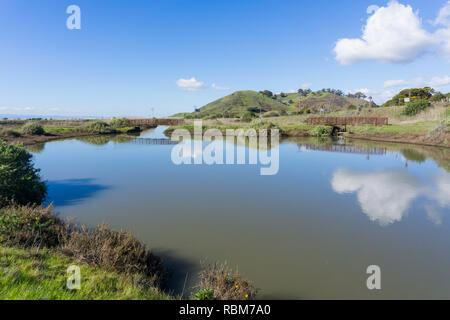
(251, 103)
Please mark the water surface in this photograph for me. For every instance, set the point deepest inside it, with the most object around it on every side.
(308, 232)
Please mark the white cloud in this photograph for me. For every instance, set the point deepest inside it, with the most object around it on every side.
(215, 86)
(392, 34)
(306, 86)
(394, 83)
(384, 196)
(444, 16)
(439, 82)
(190, 84)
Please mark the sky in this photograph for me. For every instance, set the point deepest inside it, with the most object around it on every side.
(160, 57)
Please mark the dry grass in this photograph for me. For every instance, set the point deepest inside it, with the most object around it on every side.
(118, 251)
(226, 284)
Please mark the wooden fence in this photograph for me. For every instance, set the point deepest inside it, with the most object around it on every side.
(348, 121)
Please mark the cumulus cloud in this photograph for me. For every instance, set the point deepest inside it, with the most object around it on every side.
(384, 196)
(190, 84)
(439, 82)
(443, 17)
(392, 34)
(215, 86)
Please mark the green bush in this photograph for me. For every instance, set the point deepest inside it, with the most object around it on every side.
(247, 117)
(305, 110)
(262, 125)
(271, 114)
(321, 131)
(118, 123)
(20, 183)
(352, 107)
(416, 106)
(31, 227)
(204, 294)
(9, 133)
(33, 128)
(98, 127)
(438, 97)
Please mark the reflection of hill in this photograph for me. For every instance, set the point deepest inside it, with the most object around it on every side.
(101, 140)
(411, 152)
(35, 148)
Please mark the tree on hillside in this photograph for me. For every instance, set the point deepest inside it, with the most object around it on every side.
(267, 93)
(411, 94)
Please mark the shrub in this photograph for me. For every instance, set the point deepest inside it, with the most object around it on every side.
(20, 183)
(204, 294)
(439, 96)
(352, 107)
(115, 250)
(247, 117)
(271, 114)
(304, 110)
(31, 226)
(416, 106)
(98, 127)
(33, 128)
(225, 284)
(321, 131)
(9, 133)
(118, 123)
(262, 125)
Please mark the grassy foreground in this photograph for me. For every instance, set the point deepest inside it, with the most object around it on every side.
(41, 274)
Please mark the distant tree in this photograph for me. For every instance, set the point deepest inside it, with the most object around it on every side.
(267, 93)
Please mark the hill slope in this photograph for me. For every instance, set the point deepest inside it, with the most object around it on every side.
(239, 103)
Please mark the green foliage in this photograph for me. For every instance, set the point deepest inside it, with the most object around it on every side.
(247, 117)
(118, 123)
(5, 132)
(96, 127)
(305, 110)
(438, 96)
(33, 128)
(415, 93)
(204, 294)
(20, 182)
(31, 226)
(262, 125)
(352, 107)
(267, 93)
(416, 106)
(271, 114)
(321, 131)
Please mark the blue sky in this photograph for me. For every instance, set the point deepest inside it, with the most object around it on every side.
(134, 56)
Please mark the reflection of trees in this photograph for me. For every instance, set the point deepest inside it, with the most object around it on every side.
(413, 155)
(100, 140)
(35, 148)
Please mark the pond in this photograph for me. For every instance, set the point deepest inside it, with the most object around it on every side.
(309, 232)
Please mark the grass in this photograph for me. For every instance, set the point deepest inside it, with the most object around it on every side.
(412, 128)
(38, 275)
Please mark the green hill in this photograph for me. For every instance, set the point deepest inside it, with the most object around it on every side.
(241, 103)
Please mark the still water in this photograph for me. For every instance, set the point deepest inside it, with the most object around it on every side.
(308, 232)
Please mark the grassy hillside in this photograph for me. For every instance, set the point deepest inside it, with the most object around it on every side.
(241, 103)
